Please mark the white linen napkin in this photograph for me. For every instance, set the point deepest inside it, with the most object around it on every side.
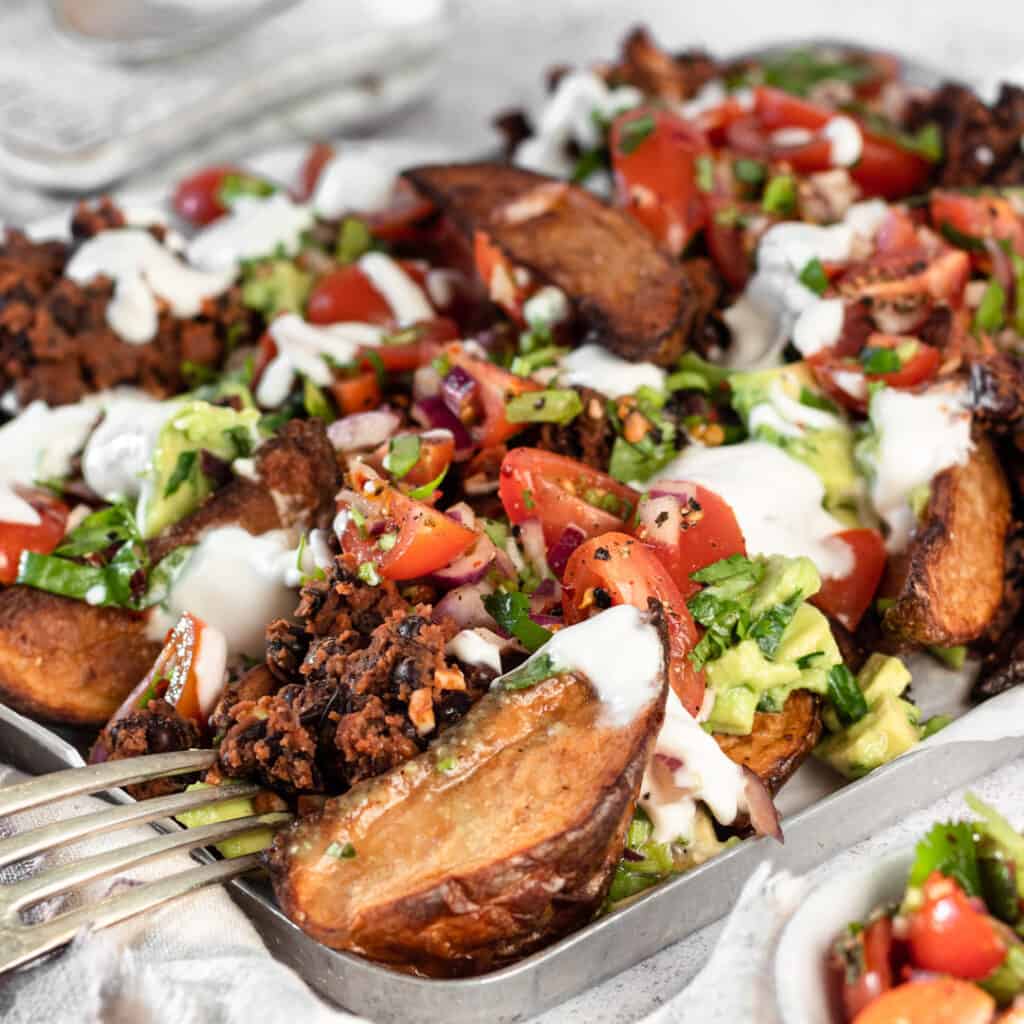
(197, 960)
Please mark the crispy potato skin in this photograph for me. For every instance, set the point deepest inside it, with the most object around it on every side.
(458, 872)
(948, 585)
(632, 295)
(66, 660)
(778, 743)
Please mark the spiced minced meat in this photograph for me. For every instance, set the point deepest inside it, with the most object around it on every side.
(56, 344)
(360, 684)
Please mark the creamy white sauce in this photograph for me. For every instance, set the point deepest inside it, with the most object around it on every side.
(547, 306)
(569, 117)
(790, 417)
(405, 297)
(593, 366)
(618, 651)
(791, 137)
(766, 315)
(776, 498)
(305, 348)
(256, 226)
(818, 326)
(846, 141)
(710, 95)
(143, 270)
(477, 647)
(210, 666)
(919, 436)
(120, 448)
(235, 582)
(353, 181)
(687, 766)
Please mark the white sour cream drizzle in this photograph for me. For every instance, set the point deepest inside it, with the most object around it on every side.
(256, 226)
(235, 582)
(354, 180)
(477, 647)
(143, 270)
(547, 306)
(302, 348)
(775, 302)
(618, 651)
(687, 766)
(919, 436)
(569, 116)
(405, 297)
(777, 500)
(843, 133)
(38, 445)
(790, 417)
(593, 366)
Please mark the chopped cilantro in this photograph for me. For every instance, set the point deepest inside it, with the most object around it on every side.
(341, 852)
(182, 472)
(780, 195)
(880, 360)
(511, 611)
(846, 696)
(750, 172)
(634, 132)
(424, 492)
(813, 276)
(531, 672)
(949, 849)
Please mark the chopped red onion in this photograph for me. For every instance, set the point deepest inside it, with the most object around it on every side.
(572, 537)
(763, 815)
(465, 606)
(548, 595)
(432, 412)
(458, 390)
(532, 536)
(660, 518)
(470, 567)
(363, 430)
(684, 490)
(463, 514)
(426, 383)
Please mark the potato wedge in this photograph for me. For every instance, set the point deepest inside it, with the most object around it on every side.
(948, 585)
(778, 743)
(496, 840)
(66, 660)
(631, 294)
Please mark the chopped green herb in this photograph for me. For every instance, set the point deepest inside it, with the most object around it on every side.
(934, 724)
(341, 852)
(780, 195)
(590, 162)
(234, 186)
(241, 439)
(750, 172)
(526, 364)
(880, 360)
(354, 240)
(531, 672)
(315, 402)
(182, 472)
(424, 492)
(511, 611)
(687, 380)
(705, 168)
(767, 628)
(804, 661)
(556, 405)
(634, 132)
(960, 239)
(813, 276)
(949, 849)
(991, 313)
(815, 401)
(729, 569)
(196, 374)
(374, 359)
(528, 501)
(447, 764)
(846, 696)
(799, 71)
(403, 454)
(368, 574)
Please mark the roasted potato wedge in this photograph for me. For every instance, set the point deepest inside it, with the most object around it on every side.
(948, 585)
(496, 840)
(778, 743)
(631, 294)
(66, 660)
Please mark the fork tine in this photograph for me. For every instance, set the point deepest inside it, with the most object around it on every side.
(97, 777)
(25, 942)
(29, 843)
(78, 873)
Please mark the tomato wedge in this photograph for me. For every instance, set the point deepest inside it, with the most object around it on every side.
(935, 1001)
(862, 965)
(949, 936)
(562, 493)
(978, 217)
(847, 598)
(617, 569)
(402, 538)
(489, 424)
(347, 295)
(197, 197)
(688, 527)
(654, 158)
(359, 393)
(41, 537)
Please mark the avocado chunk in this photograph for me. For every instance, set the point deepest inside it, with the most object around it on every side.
(880, 675)
(175, 483)
(890, 728)
(276, 286)
(238, 807)
(785, 407)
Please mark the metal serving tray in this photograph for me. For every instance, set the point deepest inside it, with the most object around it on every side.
(622, 939)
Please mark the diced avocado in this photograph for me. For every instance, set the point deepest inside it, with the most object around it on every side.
(784, 577)
(882, 674)
(745, 665)
(175, 484)
(238, 807)
(823, 442)
(890, 728)
(733, 712)
(809, 639)
(276, 286)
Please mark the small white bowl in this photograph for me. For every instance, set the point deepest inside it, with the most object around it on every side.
(801, 981)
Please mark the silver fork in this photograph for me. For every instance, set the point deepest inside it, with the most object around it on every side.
(21, 941)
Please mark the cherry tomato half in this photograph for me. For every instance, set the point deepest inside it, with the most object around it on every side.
(562, 493)
(41, 537)
(347, 295)
(934, 1001)
(862, 965)
(617, 569)
(847, 598)
(197, 197)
